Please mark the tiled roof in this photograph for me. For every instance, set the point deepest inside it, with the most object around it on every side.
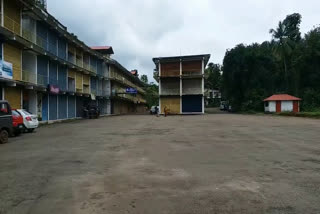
(282, 97)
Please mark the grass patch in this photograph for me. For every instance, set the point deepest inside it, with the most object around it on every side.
(302, 114)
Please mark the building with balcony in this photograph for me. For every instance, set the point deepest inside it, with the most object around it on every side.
(125, 89)
(48, 70)
(181, 83)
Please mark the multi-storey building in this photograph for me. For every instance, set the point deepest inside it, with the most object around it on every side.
(49, 71)
(181, 83)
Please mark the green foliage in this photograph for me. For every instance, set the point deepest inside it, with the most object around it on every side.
(152, 95)
(288, 64)
(213, 76)
(144, 78)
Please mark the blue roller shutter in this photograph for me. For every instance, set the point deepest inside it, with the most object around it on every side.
(71, 106)
(53, 110)
(62, 106)
(45, 107)
(192, 103)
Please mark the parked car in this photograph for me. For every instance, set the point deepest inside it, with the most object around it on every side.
(223, 106)
(30, 121)
(91, 111)
(17, 122)
(154, 110)
(6, 128)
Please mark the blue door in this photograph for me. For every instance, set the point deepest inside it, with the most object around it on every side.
(45, 107)
(71, 107)
(53, 110)
(62, 106)
(192, 103)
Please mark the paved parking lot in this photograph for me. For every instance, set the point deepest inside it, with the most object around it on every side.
(219, 163)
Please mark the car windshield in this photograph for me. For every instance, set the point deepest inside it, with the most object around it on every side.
(26, 112)
(15, 113)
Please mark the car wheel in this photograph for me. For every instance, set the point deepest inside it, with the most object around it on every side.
(4, 136)
(30, 130)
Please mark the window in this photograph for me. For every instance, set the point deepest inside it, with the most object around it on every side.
(15, 113)
(4, 110)
(266, 104)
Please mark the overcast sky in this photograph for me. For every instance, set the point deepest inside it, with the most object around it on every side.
(139, 30)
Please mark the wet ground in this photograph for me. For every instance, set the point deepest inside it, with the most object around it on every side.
(217, 163)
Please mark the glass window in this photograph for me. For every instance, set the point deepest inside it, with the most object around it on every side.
(266, 104)
(4, 110)
(25, 112)
(15, 113)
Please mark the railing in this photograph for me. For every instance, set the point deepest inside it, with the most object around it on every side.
(78, 90)
(62, 83)
(79, 62)
(71, 58)
(28, 35)
(192, 73)
(86, 89)
(53, 81)
(42, 42)
(12, 25)
(71, 86)
(29, 77)
(42, 80)
(197, 90)
(53, 48)
(93, 69)
(168, 91)
(86, 66)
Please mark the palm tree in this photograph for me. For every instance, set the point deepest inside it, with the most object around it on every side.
(283, 47)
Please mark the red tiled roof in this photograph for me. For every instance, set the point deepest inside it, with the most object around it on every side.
(100, 47)
(282, 97)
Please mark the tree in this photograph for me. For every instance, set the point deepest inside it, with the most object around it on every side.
(144, 78)
(284, 37)
(152, 94)
(213, 76)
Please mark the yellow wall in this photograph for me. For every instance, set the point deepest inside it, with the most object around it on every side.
(86, 79)
(12, 16)
(13, 96)
(13, 55)
(79, 81)
(72, 74)
(172, 103)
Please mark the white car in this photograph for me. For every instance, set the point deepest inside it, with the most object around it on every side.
(30, 121)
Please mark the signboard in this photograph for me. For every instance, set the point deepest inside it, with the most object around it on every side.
(131, 91)
(54, 89)
(6, 70)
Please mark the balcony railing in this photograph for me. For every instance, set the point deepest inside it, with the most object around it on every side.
(12, 25)
(62, 84)
(53, 81)
(42, 42)
(29, 77)
(169, 91)
(53, 48)
(86, 66)
(192, 73)
(86, 89)
(28, 35)
(79, 62)
(78, 90)
(93, 69)
(42, 80)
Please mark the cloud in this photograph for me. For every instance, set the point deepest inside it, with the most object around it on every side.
(139, 30)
